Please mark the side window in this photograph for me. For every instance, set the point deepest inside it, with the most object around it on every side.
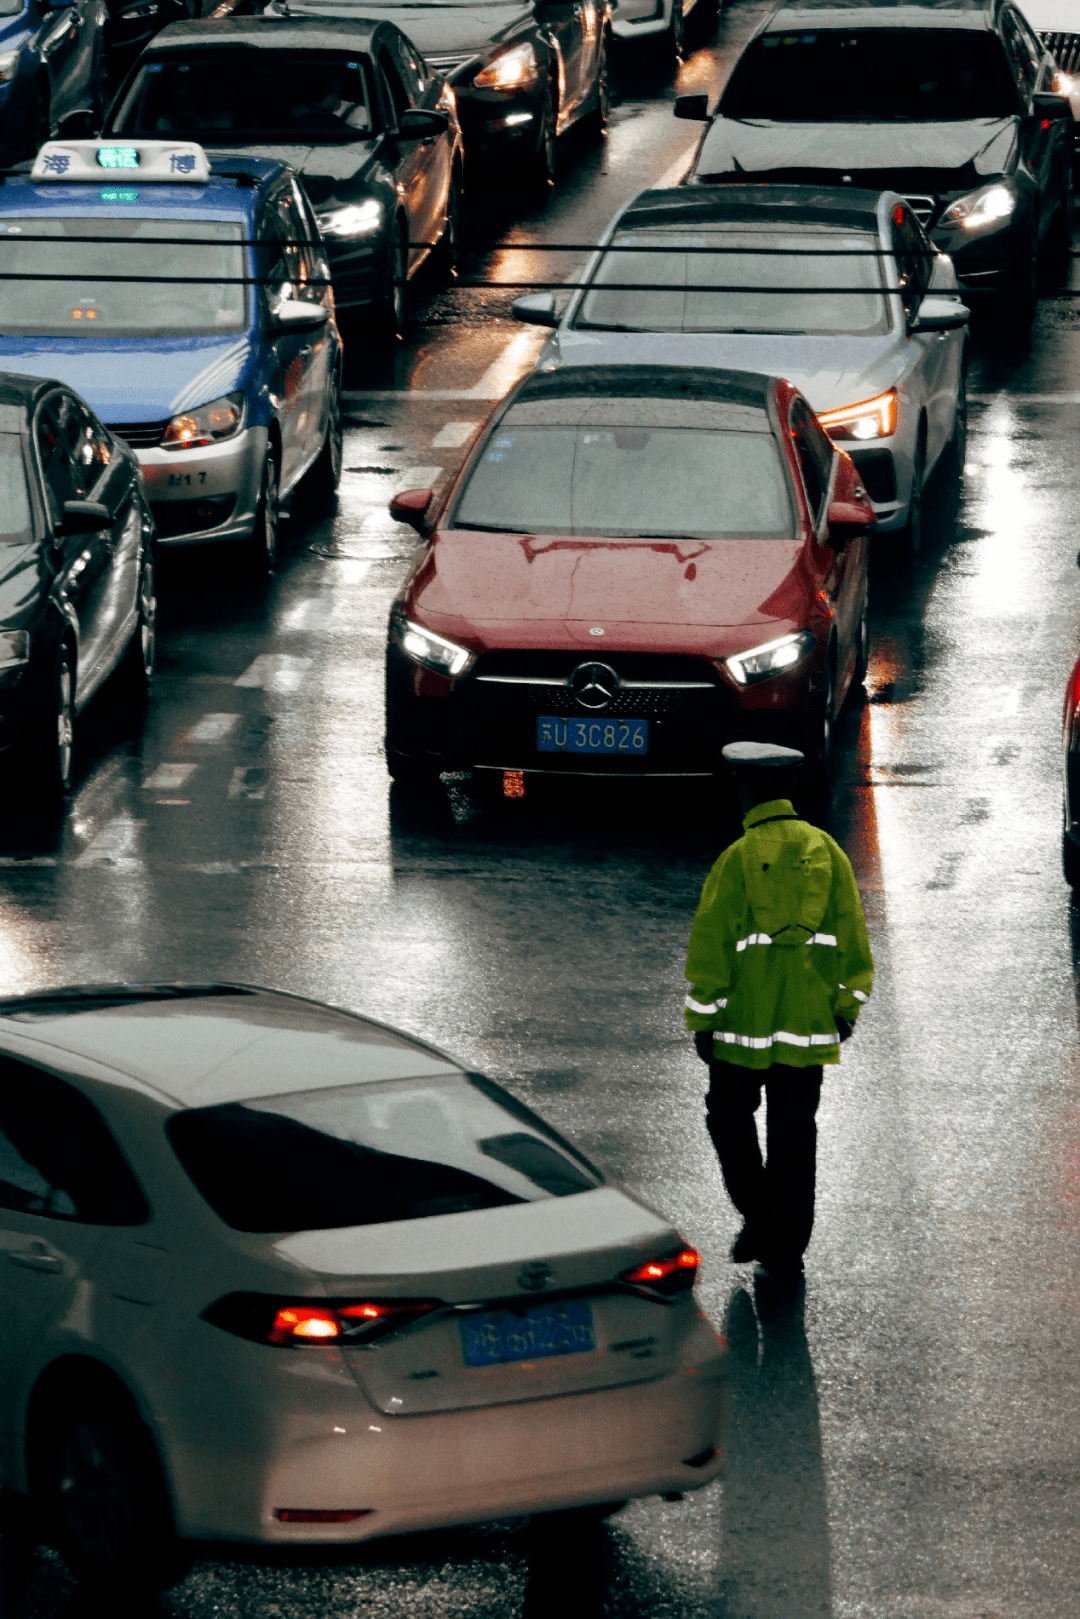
(57, 1155)
(914, 257)
(399, 101)
(87, 444)
(57, 471)
(814, 452)
(280, 255)
(411, 65)
(1023, 65)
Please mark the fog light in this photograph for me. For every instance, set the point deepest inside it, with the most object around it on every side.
(513, 784)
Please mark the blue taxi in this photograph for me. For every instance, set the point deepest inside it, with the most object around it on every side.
(189, 303)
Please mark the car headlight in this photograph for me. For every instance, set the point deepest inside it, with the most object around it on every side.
(9, 66)
(987, 207)
(873, 418)
(14, 648)
(352, 219)
(433, 651)
(194, 428)
(1064, 83)
(513, 70)
(771, 658)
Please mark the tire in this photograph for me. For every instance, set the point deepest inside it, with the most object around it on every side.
(411, 775)
(822, 754)
(597, 121)
(321, 482)
(1070, 862)
(1016, 306)
(139, 660)
(541, 168)
(675, 38)
(390, 318)
(862, 654)
(958, 440)
(52, 750)
(448, 253)
(263, 544)
(98, 1488)
(910, 538)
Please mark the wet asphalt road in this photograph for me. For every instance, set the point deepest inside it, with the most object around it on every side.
(904, 1446)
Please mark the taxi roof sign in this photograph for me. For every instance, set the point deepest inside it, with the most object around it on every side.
(157, 162)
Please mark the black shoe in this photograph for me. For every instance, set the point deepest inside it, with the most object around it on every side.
(779, 1270)
(744, 1246)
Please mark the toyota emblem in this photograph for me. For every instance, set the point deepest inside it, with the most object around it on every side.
(594, 685)
(534, 1277)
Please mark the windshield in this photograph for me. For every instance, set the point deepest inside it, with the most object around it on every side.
(628, 482)
(768, 279)
(15, 526)
(368, 1154)
(83, 302)
(249, 96)
(872, 76)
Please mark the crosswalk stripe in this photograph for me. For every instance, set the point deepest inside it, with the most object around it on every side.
(452, 435)
(168, 777)
(211, 728)
(276, 672)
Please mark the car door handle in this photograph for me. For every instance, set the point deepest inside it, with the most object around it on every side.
(35, 1259)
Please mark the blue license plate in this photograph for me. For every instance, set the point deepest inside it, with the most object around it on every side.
(545, 1330)
(554, 735)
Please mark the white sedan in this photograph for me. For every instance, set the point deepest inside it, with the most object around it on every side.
(837, 290)
(274, 1273)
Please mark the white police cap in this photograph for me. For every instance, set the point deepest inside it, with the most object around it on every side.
(762, 756)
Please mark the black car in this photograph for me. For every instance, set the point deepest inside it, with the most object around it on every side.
(53, 71)
(133, 23)
(948, 102)
(522, 71)
(349, 105)
(77, 580)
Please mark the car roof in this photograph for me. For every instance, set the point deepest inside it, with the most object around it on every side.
(233, 192)
(974, 14)
(840, 207)
(270, 33)
(746, 388)
(204, 1044)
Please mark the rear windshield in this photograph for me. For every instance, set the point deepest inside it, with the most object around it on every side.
(82, 300)
(369, 1154)
(249, 95)
(15, 525)
(628, 482)
(871, 76)
(757, 281)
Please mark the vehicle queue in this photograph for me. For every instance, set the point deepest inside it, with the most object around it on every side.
(659, 542)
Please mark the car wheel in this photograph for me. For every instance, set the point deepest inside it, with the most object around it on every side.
(411, 776)
(53, 748)
(142, 651)
(910, 538)
(1070, 861)
(99, 1489)
(325, 475)
(862, 652)
(958, 441)
(823, 752)
(598, 118)
(449, 248)
(676, 34)
(542, 165)
(263, 544)
(1016, 305)
(391, 316)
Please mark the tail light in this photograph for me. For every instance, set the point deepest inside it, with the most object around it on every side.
(327, 1515)
(670, 1274)
(300, 1323)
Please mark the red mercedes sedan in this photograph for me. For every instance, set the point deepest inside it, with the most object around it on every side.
(634, 566)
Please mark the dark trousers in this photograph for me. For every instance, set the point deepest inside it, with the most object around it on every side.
(775, 1198)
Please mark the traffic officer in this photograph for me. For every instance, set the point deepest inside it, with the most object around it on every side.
(779, 965)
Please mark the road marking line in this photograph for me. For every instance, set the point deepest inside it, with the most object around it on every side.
(418, 478)
(499, 377)
(211, 728)
(117, 844)
(1006, 397)
(167, 778)
(671, 176)
(454, 435)
(275, 671)
(241, 787)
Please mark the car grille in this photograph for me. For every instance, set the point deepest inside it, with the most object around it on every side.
(139, 435)
(448, 62)
(538, 682)
(923, 207)
(1065, 49)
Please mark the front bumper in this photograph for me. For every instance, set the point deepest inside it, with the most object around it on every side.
(989, 259)
(498, 123)
(202, 496)
(476, 724)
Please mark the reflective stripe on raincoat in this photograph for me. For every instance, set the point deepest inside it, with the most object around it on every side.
(779, 945)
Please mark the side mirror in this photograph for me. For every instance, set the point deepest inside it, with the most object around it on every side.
(416, 124)
(937, 314)
(1047, 104)
(83, 517)
(294, 315)
(411, 507)
(695, 108)
(847, 521)
(535, 309)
